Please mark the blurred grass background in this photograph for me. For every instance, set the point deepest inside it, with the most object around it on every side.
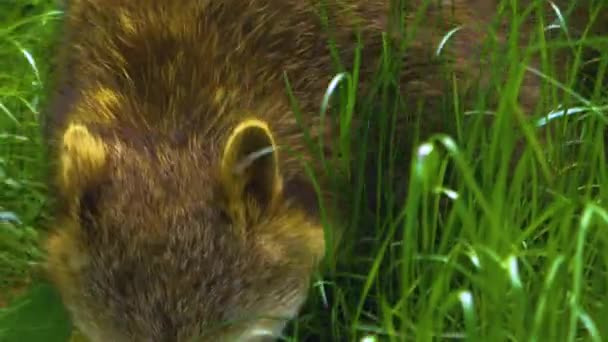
(29, 308)
(478, 248)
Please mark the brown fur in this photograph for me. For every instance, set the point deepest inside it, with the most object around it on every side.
(158, 239)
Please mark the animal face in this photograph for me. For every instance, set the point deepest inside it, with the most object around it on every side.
(169, 243)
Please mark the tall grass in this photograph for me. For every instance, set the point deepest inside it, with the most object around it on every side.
(26, 31)
(482, 245)
(473, 245)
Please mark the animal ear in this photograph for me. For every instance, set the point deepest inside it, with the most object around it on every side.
(82, 158)
(249, 168)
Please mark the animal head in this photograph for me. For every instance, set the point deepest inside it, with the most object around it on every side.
(169, 243)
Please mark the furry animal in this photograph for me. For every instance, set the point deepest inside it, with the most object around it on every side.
(183, 210)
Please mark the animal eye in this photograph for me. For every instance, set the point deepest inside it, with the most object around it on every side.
(224, 216)
(88, 207)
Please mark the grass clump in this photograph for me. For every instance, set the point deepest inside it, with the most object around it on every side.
(24, 34)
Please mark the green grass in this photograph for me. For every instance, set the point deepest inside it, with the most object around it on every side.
(479, 247)
(26, 30)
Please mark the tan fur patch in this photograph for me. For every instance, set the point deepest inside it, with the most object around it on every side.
(126, 22)
(105, 101)
(82, 155)
(220, 94)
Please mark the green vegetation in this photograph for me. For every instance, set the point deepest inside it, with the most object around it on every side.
(471, 246)
(26, 32)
